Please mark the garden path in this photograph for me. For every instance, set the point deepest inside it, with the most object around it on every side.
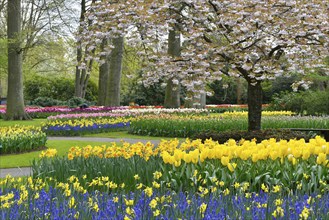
(26, 171)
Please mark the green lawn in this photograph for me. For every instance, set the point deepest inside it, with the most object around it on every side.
(62, 146)
(34, 122)
(124, 134)
(24, 160)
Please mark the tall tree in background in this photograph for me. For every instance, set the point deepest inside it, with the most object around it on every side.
(84, 67)
(15, 98)
(113, 83)
(172, 95)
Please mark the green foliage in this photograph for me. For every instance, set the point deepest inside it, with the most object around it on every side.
(17, 139)
(59, 88)
(303, 102)
(139, 94)
(76, 101)
(184, 127)
(278, 134)
(47, 102)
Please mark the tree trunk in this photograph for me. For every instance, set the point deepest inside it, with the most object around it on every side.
(15, 97)
(196, 102)
(82, 75)
(238, 91)
(104, 70)
(172, 95)
(113, 86)
(255, 96)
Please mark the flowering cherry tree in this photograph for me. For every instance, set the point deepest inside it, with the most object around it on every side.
(252, 39)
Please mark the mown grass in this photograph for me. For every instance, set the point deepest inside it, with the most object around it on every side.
(125, 134)
(25, 159)
(34, 122)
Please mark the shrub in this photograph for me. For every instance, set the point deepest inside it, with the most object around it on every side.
(47, 102)
(278, 134)
(59, 88)
(304, 102)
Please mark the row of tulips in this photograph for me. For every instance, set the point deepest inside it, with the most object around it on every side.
(130, 112)
(35, 199)
(84, 125)
(186, 126)
(44, 112)
(285, 165)
(18, 139)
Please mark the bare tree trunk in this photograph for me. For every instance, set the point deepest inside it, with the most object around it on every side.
(172, 95)
(113, 86)
(238, 91)
(15, 97)
(78, 92)
(255, 96)
(104, 70)
(82, 75)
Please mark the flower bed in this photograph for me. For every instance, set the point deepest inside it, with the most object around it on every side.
(230, 107)
(186, 126)
(84, 125)
(19, 139)
(191, 180)
(68, 201)
(289, 165)
(129, 112)
(44, 112)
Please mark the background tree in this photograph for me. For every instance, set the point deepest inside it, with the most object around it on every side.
(15, 98)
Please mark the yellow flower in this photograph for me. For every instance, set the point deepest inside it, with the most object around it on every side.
(130, 211)
(226, 192)
(276, 188)
(278, 202)
(129, 202)
(139, 186)
(136, 177)
(76, 215)
(278, 212)
(230, 167)
(71, 202)
(236, 185)
(156, 213)
(305, 213)
(37, 196)
(148, 191)
(264, 188)
(153, 203)
(156, 185)
(225, 160)
(115, 199)
(322, 159)
(203, 208)
(95, 207)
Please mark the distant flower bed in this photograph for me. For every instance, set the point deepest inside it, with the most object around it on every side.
(230, 107)
(165, 125)
(84, 125)
(44, 112)
(19, 139)
(128, 112)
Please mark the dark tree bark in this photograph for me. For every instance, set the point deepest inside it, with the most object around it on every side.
(15, 97)
(114, 78)
(255, 97)
(172, 95)
(104, 70)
